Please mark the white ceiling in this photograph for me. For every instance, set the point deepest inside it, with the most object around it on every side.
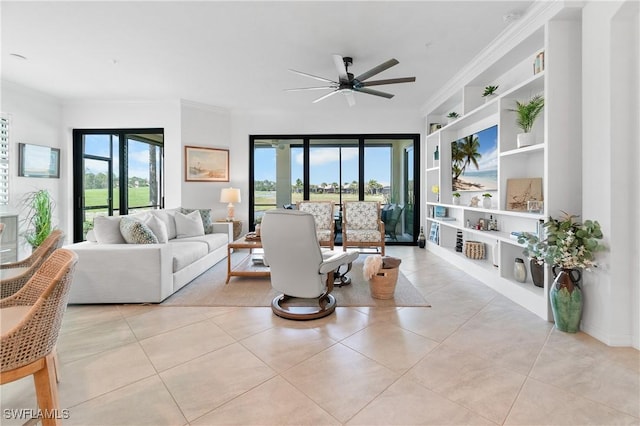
(236, 55)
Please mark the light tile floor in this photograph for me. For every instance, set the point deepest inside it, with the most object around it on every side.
(474, 357)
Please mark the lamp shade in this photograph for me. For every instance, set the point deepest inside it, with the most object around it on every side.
(230, 195)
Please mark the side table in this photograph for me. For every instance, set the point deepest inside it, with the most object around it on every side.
(237, 228)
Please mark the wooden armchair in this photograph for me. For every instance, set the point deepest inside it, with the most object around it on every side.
(14, 275)
(361, 225)
(322, 212)
(31, 321)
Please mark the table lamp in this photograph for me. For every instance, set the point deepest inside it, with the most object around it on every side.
(230, 195)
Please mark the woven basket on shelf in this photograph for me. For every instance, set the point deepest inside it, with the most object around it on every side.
(474, 249)
(383, 284)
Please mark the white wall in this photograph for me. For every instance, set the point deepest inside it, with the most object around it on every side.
(121, 115)
(340, 121)
(610, 162)
(205, 126)
(35, 119)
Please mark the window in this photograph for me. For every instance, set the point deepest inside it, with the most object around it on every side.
(116, 172)
(4, 160)
(338, 168)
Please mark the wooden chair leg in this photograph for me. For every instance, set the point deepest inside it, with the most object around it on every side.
(56, 364)
(47, 392)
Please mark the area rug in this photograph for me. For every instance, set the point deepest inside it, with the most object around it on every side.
(209, 289)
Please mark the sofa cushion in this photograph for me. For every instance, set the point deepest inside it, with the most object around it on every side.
(213, 241)
(135, 232)
(205, 214)
(189, 225)
(107, 230)
(158, 228)
(168, 218)
(187, 252)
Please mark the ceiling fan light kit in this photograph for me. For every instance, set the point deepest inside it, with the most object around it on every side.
(347, 84)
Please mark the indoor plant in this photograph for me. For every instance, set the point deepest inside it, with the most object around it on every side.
(452, 116)
(489, 92)
(569, 247)
(486, 200)
(527, 112)
(456, 198)
(38, 217)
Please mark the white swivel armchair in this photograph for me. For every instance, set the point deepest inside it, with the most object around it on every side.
(298, 267)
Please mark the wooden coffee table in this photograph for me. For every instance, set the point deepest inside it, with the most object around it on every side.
(246, 268)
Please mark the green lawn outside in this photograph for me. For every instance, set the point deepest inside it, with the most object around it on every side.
(98, 197)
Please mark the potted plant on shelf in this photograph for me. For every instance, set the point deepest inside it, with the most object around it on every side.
(486, 200)
(489, 93)
(569, 247)
(456, 198)
(38, 217)
(527, 112)
(452, 116)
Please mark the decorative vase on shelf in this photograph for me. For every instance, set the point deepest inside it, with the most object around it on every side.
(566, 299)
(422, 240)
(519, 270)
(537, 273)
(486, 202)
(525, 139)
(455, 201)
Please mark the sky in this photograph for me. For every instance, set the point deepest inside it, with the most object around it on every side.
(325, 165)
(138, 156)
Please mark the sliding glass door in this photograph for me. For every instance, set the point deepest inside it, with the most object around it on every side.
(287, 169)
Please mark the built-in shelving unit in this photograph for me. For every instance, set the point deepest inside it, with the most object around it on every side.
(557, 143)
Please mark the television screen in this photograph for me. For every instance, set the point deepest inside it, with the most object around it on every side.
(474, 161)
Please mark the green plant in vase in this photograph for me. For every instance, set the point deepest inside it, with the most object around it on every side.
(456, 198)
(489, 92)
(38, 217)
(526, 115)
(569, 247)
(486, 200)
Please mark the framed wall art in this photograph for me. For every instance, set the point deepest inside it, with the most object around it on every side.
(206, 164)
(519, 191)
(38, 161)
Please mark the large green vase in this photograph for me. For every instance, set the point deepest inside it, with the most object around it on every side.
(566, 299)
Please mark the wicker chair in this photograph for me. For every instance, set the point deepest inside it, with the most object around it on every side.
(322, 212)
(31, 320)
(361, 225)
(27, 267)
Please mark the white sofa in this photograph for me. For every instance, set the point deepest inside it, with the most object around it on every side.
(110, 270)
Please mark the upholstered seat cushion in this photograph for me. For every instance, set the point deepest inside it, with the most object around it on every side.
(187, 252)
(324, 234)
(213, 241)
(363, 236)
(362, 216)
(11, 316)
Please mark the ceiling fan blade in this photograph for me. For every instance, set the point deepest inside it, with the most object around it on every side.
(313, 76)
(351, 100)
(374, 92)
(342, 70)
(389, 81)
(311, 88)
(376, 70)
(326, 96)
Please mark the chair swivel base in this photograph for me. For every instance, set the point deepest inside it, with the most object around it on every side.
(326, 306)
